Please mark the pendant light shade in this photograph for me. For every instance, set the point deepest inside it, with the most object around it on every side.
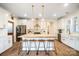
(42, 12)
(32, 12)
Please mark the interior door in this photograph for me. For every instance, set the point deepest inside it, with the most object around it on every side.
(11, 30)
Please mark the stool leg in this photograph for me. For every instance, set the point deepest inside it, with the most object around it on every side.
(48, 43)
(35, 46)
(26, 46)
(44, 47)
(38, 48)
(29, 47)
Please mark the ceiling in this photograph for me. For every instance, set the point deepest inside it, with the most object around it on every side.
(20, 9)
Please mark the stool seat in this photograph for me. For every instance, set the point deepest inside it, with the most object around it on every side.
(41, 40)
(33, 40)
(50, 40)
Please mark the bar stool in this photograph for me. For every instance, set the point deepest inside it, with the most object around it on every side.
(25, 45)
(46, 45)
(35, 41)
(49, 41)
(28, 45)
(32, 40)
(41, 40)
(21, 46)
(37, 45)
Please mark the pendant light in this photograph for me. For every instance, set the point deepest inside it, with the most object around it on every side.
(42, 12)
(32, 12)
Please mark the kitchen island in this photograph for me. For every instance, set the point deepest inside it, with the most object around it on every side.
(37, 42)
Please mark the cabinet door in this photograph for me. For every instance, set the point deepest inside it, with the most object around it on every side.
(10, 41)
(2, 21)
(77, 44)
(5, 43)
(1, 45)
(72, 42)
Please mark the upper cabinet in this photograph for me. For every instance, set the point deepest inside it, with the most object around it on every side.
(4, 16)
(3, 20)
(75, 24)
(72, 25)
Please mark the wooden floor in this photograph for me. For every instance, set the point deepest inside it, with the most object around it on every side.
(15, 49)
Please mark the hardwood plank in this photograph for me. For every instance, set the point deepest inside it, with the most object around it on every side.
(60, 50)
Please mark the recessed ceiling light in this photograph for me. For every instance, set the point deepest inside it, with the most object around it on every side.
(7, 14)
(43, 19)
(40, 14)
(32, 19)
(25, 15)
(54, 15)
(66, 4)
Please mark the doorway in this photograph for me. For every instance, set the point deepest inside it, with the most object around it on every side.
(11, 30)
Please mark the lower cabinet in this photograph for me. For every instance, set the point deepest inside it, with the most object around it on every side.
(1, 45)
(71, 41)
(10, 40)
(5, 44)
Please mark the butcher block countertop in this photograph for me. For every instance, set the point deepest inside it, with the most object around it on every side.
(37, 36)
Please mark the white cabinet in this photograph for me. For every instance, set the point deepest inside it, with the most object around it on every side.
(5, 43)
(3, 20)
(71, 41)
(1, 45)
(76, 43)
(10, 41)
